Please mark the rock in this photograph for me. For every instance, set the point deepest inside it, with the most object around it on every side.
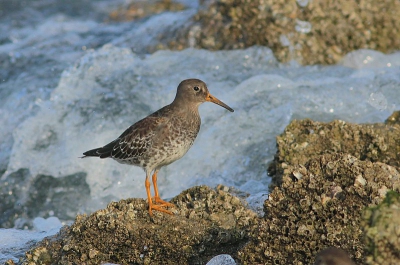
(326, 174)
(305, 139)
(139, 9)
(323, 208)
(23, 197)
(381, 224)
(206, 223)
(310, 32)
(394, 118)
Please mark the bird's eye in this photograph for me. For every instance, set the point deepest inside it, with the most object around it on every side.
(196, 88)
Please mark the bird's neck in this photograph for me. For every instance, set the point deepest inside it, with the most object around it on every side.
(188, 109)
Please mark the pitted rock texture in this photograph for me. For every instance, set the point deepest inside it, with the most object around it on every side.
(206, 223)
(305, 139)
(319, 204)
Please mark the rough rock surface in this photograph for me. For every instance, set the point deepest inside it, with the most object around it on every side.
(382, 231)
(206, 223)
(302, 140)
(311, 32)
(319, 204)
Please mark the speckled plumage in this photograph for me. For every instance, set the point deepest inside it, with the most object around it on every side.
(162, 137)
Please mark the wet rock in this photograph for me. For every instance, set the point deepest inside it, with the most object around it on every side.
(394, 118)
(61, 197)
(322, 208)
(11, 189)
(310, 32)
(139, 9)
(382, 231)
(333, 256)
(23, 197)
(305, 139)
(9, 262)
(206, 223)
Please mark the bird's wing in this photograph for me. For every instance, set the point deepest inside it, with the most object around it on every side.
(136, 140)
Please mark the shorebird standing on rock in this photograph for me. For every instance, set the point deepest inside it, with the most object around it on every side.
(162, 137)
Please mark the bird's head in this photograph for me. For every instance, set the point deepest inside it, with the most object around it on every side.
(196, 92)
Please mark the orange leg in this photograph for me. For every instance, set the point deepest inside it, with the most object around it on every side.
(151, 205)
(157, 198)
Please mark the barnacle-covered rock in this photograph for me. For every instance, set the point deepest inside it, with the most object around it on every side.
(206, 223)
(311, 32)
(304, 139)
(323, 208)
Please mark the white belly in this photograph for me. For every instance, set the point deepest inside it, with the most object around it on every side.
(173, 153)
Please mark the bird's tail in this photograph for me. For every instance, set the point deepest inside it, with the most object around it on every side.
(94, 152)
(102, 152)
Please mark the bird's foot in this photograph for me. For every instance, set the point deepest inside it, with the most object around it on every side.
(159, 205)
(158, 208)
(162, 203)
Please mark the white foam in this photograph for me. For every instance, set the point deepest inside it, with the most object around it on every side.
(14, 242)
(366, 59)
(45, 225)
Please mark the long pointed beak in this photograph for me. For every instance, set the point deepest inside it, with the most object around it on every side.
(213, 99)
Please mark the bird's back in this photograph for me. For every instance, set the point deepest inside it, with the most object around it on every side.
(155, 141)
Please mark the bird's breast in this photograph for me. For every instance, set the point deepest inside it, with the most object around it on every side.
(179, 137)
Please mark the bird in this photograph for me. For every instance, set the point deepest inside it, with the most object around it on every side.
(161, 138)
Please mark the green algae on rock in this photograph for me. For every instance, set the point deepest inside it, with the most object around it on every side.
(319, 204)
(206, 223)
(381, 224)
